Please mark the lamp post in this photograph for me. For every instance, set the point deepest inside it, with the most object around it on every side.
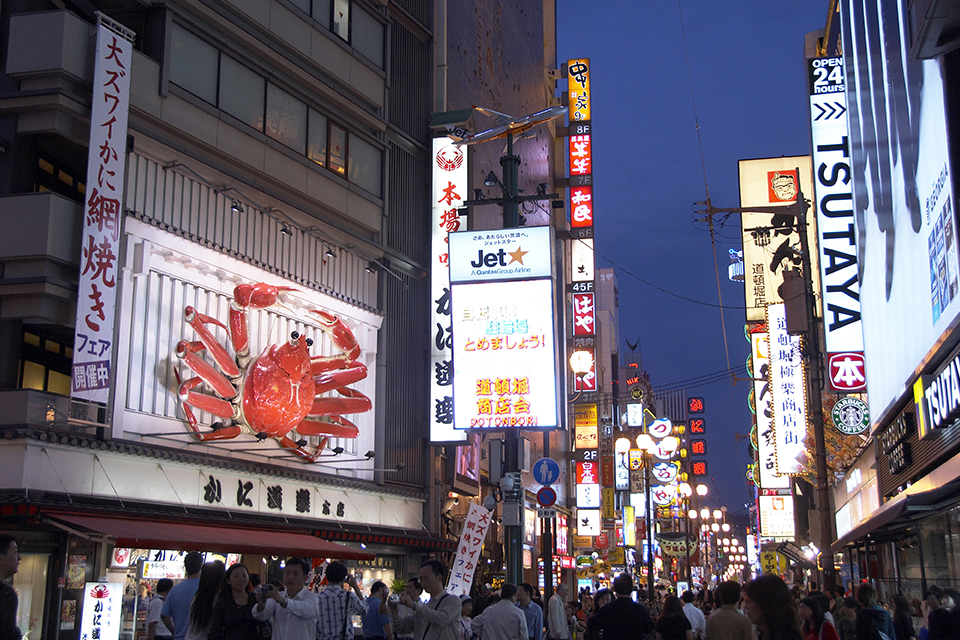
(646, 445)
(690, 514)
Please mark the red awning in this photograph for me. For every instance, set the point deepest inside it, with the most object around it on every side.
(222, 538)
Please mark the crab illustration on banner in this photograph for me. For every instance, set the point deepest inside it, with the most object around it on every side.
(277, 392)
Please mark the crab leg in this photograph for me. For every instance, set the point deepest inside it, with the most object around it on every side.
(328, 380)
(252, 296)
(340, 335)
(334, 426)
(287, 443)
(352, 402)
(221, 357)
(187, 351)
(205, 403)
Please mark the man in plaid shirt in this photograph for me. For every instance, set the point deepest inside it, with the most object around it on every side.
(337, 604)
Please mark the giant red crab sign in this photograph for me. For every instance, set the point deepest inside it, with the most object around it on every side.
(278, 391)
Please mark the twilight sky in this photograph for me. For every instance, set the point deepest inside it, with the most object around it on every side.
(749, 85)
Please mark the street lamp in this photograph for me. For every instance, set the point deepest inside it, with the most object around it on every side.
(646, 445)
(580, 363)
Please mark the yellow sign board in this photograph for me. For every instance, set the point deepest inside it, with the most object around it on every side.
(583, 542)
(578, 89)
(608, 501)
(617, 556)
(585, 415)
(585, 438)
(773, 562)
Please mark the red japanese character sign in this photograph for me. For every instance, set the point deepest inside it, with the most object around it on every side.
(103, 215)
(469, 549)
(581, 207)
(581, 163)
(583, 314)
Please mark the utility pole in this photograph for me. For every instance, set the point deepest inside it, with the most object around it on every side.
(815, 401)
(513, 501)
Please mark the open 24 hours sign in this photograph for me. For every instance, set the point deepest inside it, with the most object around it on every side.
(504, 335)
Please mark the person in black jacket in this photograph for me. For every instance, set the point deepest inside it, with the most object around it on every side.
(622, 619)
(232, 618)
(873, 622)
(9, 565)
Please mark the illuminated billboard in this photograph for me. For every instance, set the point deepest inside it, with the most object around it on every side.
(776, 517)
(450, 177)
(771, 242)
(833, 206)
(763, 397)
(787, 385)
(903, 200)
(578, 89)
(504, 343)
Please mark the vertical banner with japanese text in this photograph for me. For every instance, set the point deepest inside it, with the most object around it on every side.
(101, 616)
(103, 214)
(766, 436)
(468, 551)
(450, 177)
(787, 382)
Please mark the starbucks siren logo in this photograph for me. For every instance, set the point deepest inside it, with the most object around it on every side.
(851, 416)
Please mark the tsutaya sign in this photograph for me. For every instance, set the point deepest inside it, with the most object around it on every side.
(504, 343)
(833, 190)
(103, 213)
(938, 398)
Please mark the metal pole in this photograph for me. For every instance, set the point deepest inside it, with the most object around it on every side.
(686, 541)
(547, 538)
(815, 402)
(648, 507)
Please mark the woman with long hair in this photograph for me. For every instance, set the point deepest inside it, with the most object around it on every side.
(769, 605)
(902, 618)
(673, 623)
(814, 625)
(201, 608)
(232, 618)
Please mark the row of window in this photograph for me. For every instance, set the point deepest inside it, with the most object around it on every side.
(215, 77)
(358, 28)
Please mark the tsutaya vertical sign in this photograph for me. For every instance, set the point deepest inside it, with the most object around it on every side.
(103, 213)
(449, 188)
(833, 198)
(468, 551)
(789, 397)
(763, 397)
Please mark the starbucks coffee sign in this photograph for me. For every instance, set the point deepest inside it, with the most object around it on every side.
(851, 416)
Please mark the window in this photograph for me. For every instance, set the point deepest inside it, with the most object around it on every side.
(241, 92)
(368, 37)
(193, 64)
(317, 145)
(337, 150)
(365, 165)
(286, 119)
(303, 5)
(341, 19)
(45, 362)
(321, 12)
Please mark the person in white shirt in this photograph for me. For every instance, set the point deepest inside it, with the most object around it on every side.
(294, 612)
(557, 627)
(156, 628)
(698, 621)
(502, 621)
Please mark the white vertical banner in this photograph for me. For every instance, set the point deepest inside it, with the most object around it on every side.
(450, 178)
(789, 392)
(103, 214)
(763, 399)
(101, 616)
(468, 550)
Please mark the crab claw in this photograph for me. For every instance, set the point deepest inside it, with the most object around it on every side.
(340, 335)
(257, 296)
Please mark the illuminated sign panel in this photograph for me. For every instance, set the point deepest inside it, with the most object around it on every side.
(581, 206)
(588, 522)
(586, 438)
(635, 414)
(833, 204)
(789, 394)
(588, 473)
(102, 604)
(581, 161)
(763, 396)
(698, 426)
(695, 405)
(581, 260)
(450, 178)
(698, 467)
(584, 320)
(698, 447)
(578, 89)
(500, 254)
(771, 242)
(587, 381)
(903, 198)
(776, 517)
(588, 496)
(504, 355)
(585, 415)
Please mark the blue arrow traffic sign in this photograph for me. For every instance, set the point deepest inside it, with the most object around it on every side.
(546, 471)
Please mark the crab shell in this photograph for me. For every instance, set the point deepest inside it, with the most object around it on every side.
(279, 390)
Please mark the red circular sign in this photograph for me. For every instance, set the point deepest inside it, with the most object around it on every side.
(602, 541)
(546, 497)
